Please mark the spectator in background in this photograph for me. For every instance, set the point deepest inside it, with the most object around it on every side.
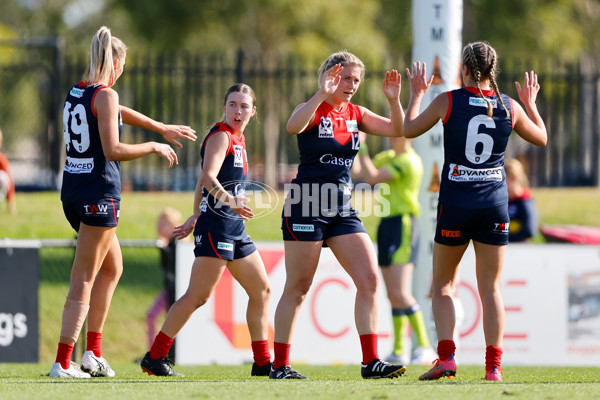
(168, 219)
(7, 185)
(521, 206)
(401, 169)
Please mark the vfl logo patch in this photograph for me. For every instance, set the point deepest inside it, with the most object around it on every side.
(225, 246)
(203, 205)
(326, 128)
(460, 173)
(352, 126)
(479, 102)
(303, 228)
(239, 156)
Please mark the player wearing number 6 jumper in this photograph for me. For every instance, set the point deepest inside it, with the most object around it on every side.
(91, 194)
(473, 198)
(318, 209)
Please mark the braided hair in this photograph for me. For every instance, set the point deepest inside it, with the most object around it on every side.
(481, 59)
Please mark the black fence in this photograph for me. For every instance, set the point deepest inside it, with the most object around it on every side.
(188, 89)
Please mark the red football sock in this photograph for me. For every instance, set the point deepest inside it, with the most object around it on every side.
(368, 344)
(260, 349)
(493, 358)
(160, 347)
(445, 349)
(282, 355)
(63, 355)
(94, 343)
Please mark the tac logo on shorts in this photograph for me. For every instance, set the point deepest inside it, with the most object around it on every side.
(460, 173)
(352, 125)
(75, 92)
(303, 228)
(225, 246)
(326, 128)
(239, 156)
(501, 227)
(479, 102)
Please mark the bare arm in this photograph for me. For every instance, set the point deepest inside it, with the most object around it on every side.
(106, 105)
(529, 126)
(169, 132)
(375, 124)
(305, 112)
(216, 149)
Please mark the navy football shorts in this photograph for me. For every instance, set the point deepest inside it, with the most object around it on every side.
(314, 228)
(102, 212)
(218, 246)
(397, 240)
(456, 226)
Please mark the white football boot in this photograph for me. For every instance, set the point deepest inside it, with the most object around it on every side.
(73, 371)
(96, 366)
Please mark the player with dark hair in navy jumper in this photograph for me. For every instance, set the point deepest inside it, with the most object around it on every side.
(478, 121)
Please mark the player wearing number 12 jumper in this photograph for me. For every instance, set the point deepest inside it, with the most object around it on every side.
(478, 121)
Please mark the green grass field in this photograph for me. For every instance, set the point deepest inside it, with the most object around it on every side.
(40, 216)
(23, 381)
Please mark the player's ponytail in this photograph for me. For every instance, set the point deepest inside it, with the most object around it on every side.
(104, 51)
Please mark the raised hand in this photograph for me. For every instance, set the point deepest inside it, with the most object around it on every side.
(531, 87)
(173, 132)
(392, 84)
(418, 82)
(331, 79)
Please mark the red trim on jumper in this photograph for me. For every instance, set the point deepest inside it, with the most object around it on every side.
(486, 92)
(213, 246)
(449, 107)
(94, 97)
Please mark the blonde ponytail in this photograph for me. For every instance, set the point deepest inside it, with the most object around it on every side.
(104, 51)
